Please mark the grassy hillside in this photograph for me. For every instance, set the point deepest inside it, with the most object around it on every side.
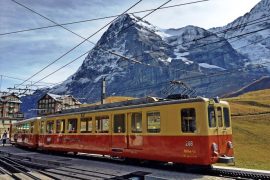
(251, 129)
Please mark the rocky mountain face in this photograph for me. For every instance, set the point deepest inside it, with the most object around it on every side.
(164, 55)
(208, 60)
(258, 21)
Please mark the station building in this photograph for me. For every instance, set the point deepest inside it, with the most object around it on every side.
(53, 103)
(9, 110)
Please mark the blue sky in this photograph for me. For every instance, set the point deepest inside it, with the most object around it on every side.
(23, 54)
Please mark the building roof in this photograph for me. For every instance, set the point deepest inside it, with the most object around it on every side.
(6, 94)
(60, 98)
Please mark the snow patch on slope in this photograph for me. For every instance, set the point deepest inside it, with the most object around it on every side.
(209, 66)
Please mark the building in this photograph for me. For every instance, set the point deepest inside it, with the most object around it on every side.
(9, 110)
(53, 103)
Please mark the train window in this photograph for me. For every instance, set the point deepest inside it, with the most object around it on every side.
(26, 127)
(119, 123)
(72, 125)
(86, 125)
(136, 122)
(32, 127)
(219, 117)
(153, 122)
(60, 126)
(226, 117)
(102, 124)
(49, 128)
(42, 127)
(211, 117)
(188, 120)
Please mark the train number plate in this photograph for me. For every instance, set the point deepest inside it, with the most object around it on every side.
(189, 143)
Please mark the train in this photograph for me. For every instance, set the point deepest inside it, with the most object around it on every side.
(193, 131)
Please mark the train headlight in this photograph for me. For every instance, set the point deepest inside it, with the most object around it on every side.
(215, 148)
(230, 145)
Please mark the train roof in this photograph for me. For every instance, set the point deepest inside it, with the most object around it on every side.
(135, 103)
(27, 120)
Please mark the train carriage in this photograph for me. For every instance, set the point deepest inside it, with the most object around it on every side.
(25, 133)
(188, 131)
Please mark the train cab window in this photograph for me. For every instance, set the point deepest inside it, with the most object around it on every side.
(226, 117)
(60, 126)
(32, 127)
(86, 125)
(102, 124)
(49, 128)
(188, 120)
(119, 125)
(72, 125)
(136, 122)
(211, 116)
(219, 117)
(153, 122)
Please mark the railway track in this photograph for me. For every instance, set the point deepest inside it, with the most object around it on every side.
(234, 173)
(11, 169)
(239, 174)
(14, 167)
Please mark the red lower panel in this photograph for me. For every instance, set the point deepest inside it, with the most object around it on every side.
(179, 149)
(27, 140)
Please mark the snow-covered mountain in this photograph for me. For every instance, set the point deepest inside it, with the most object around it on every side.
(208, 60)
(258, 21)
(172, 54)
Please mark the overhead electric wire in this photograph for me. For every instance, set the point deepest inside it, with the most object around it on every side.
(77, 58)
(68, 30)
(84, 40)
(20, 79)
(114, 53)
(87, 39)
(95, 19)
(140, 63)
(241, 35)
(212, 34)
(99, 45)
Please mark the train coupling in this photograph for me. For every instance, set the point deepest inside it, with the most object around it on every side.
(225, 159)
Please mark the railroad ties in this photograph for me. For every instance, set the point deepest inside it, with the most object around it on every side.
(17, 163)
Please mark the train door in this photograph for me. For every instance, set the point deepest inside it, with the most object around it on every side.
(212, 123)
(135, 130)
(220, 130)
(41, 133)
(119, 132)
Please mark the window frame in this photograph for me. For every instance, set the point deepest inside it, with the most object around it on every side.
(213, 116)
(121, 125)
(64, 125)
(219, 116)
(134, 128)
(156, 130)
(86, 120)
(225, 119)
(101, 121)
(73, 130)
(51, 131)
(186, 124)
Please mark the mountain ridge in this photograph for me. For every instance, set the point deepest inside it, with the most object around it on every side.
(189, 53)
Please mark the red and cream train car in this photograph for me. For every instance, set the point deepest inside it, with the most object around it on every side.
(189, 131)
